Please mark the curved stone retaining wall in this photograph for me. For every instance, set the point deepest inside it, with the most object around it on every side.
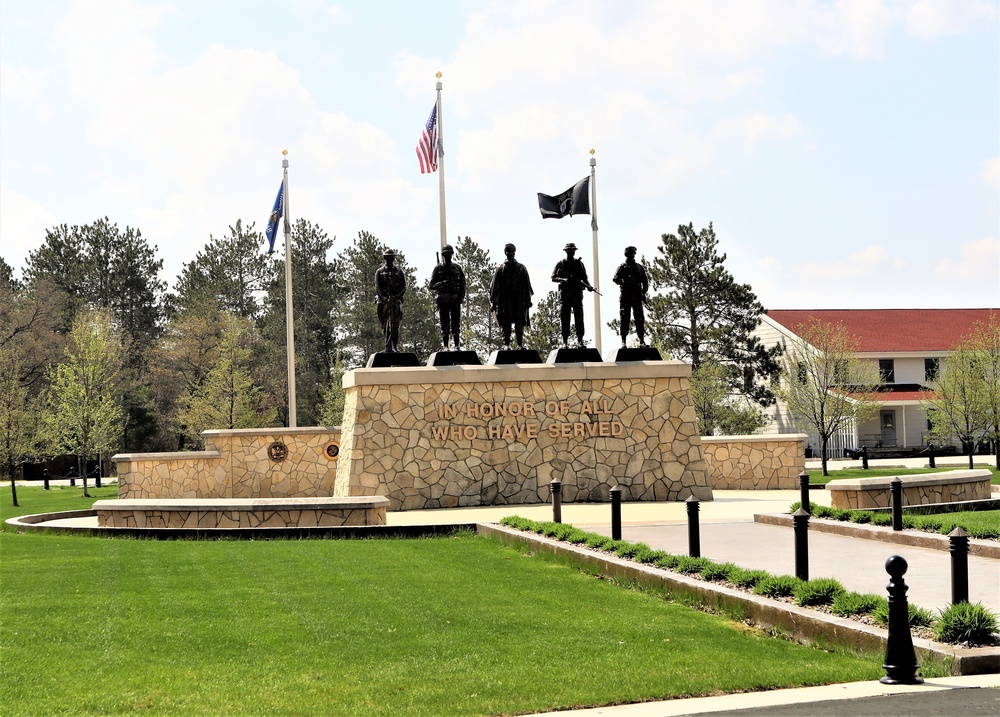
(236, 464)
(757, 462)
(922, 489)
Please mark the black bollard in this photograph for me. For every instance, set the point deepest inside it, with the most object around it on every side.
(930, 448)
(800, 522)
(694, 530)
(45, 477)
(864, 457)
(897, 503)
(804, 491)
(900, 658)
(72, 476)
(616, 513)
(556, 487)
(959, 540)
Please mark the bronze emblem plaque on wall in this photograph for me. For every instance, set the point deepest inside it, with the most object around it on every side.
(331, 450)
(277, 451)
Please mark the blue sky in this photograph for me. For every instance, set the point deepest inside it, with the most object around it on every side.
(847, 152)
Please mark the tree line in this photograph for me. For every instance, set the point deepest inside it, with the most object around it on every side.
(98, 355)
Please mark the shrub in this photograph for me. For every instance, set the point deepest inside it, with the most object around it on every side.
(577, 536)
(597, 542)
(918, 616)
(666, 561)
(613, 546)
(861, 516)
(647, 556)
(820, 591)
(777, 586)
(744, 578)
(517, 522)
(964, 622)
(851, 603)
(823, 511)
(691, 566)
(881, 519)
(630, 550)
(718, 571)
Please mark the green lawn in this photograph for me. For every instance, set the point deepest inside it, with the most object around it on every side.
(446, 626)
(34, 499)
(816, 477)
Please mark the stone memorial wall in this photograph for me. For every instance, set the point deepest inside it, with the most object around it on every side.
(758, 462)
(498, 435)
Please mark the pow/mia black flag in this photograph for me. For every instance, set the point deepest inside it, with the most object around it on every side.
(575, 200)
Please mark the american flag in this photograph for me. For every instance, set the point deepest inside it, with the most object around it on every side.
(427, 144)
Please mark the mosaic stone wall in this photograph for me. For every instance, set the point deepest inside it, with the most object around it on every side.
(497, 435)
(926, 489)
(761, 462)
(207, 519)
(235, 464)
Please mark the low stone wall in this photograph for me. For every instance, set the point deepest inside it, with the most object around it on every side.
(923, 489)
(757, 462)
(498, 435)
(241, 463)
(241, 513)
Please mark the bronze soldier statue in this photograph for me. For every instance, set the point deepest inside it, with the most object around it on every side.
(390, 285)
(631, 277)
(448, 281)
(571, 276)
(510, 297)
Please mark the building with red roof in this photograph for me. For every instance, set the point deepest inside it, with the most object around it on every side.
(910, 346)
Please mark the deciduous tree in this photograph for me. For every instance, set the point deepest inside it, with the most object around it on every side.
(228, 397)
(825, 385)
(84, 416)
(718, 410)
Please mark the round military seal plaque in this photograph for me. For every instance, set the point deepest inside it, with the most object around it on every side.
(331, 450)
(277, 451)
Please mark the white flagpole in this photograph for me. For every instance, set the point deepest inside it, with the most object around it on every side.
(289, 319)
(440, 162)
(597, 267)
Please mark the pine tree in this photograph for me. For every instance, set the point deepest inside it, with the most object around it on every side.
(700, 312)
(479, 327)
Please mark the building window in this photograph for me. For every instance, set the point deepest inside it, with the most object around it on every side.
(801, 372)
(887, 370)
(931, 368)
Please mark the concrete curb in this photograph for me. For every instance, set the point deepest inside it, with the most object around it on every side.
(803, 624)
(913, 538)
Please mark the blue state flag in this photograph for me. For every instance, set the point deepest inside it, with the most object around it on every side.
(272, 221)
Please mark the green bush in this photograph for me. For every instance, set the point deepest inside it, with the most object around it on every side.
(690, 566)
(918, 616)
(820, 591)
(647, 556)
(964, 622)
(823, 511)
(630, 550)
(718, 571)
(745, 578)
(598, 542)
(851, 603)
(777, 586)
(861, 516)
(666, 561)
(577, 536)
(881, 519)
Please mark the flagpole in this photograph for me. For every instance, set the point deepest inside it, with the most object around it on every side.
(597, 267)
(289, 319)
(440, 161)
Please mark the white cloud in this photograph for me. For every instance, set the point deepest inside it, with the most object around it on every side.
(22, 222)
(934, 18)
(18, 82)
(976, 262)
(752, 128)
(989, 170)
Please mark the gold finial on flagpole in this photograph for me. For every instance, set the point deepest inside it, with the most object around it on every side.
(285, 151)
(438, 75)
(592, 150)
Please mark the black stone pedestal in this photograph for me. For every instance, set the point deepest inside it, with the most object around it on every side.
(508, 357)
(578, 355)
(388, 360)
(646, 353)
(454, 358)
